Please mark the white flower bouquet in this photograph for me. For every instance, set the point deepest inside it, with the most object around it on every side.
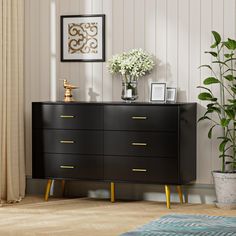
(135, 63)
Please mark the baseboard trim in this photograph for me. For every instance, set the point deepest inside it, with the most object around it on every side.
(195, 193)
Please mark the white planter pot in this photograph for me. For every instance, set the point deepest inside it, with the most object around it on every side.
(225, 187)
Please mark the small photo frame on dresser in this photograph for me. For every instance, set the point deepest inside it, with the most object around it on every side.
(171, 95)
(158, 92)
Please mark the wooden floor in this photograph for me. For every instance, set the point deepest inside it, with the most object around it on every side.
(83, 216)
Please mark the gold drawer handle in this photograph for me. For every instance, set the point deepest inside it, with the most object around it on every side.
(139, 117)
(67, 141)
(139, 144)
(67, 167)
(139, 170)
(63, 116)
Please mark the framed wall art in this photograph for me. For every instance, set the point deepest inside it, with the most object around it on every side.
(83, 38)
(158, 92)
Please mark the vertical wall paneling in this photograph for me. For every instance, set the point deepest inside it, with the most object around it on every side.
(59, 91)
(63, 67)
(218, 25)
(128, 24)
(229, 19)
(86, 8)
(75, 67)
(96, 90)
(204, 154)
(161, 39)
(177, 32)
(107, 78)
(194, 48)
(35, 73)
(172, 43)
(53, 49)
(139, 37)
(117, 41)
(45, 51)
(194, 73)
(183, 50)
(150, 41)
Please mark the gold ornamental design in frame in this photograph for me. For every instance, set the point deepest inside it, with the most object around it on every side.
(83, 38)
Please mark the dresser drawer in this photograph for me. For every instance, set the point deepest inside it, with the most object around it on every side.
(67, 116)
(72, 166)
(140, 169)
(131, 117)
(158, 144)
(68, 141)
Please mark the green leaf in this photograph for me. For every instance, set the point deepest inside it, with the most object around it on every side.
(224, 122)
(232, 101)
(230, 44)
(209, 111)
(205, 96)
(214, 45)
(207, 66)
(227, 44)
(220, 62)
(217, 37)
(229, 77)
(203, 118)
(233, 89)
(222, 145)
(210, 132)
(211, 80)
(214, 54)
(201, 87)
(221, 138)
(230, 114)
(227, 55)
(216, 109)
(210, 105)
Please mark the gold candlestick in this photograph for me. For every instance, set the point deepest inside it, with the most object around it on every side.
(68, 91)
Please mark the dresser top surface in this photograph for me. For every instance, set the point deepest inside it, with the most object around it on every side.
(115, 103)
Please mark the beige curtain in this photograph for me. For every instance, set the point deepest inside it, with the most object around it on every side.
(12, 161)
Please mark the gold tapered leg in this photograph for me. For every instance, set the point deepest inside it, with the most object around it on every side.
(48, 189)
(167, 189)
(179, 190)
(112, 192)
(63, 182)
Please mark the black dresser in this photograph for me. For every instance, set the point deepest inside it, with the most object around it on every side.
(115, 142)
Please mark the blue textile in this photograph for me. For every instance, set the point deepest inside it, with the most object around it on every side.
(187, 225)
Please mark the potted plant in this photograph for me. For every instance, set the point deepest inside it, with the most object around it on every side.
(221, 111)
(131, 66)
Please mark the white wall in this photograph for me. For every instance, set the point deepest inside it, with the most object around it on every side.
(177, 32)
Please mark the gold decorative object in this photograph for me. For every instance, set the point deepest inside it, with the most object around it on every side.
(68, 91)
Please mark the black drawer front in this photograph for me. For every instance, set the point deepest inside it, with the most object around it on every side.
(131, 117)
(140, 169)
(67, 116)
(131, 143)
(72, 166)
(68, 141)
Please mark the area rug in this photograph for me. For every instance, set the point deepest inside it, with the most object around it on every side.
(187, 225)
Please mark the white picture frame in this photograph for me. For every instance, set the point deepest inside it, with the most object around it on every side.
(171, 94)
(158, 92)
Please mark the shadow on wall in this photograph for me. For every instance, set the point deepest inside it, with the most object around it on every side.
(93, 96)
(182, 96)
(163, 71)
